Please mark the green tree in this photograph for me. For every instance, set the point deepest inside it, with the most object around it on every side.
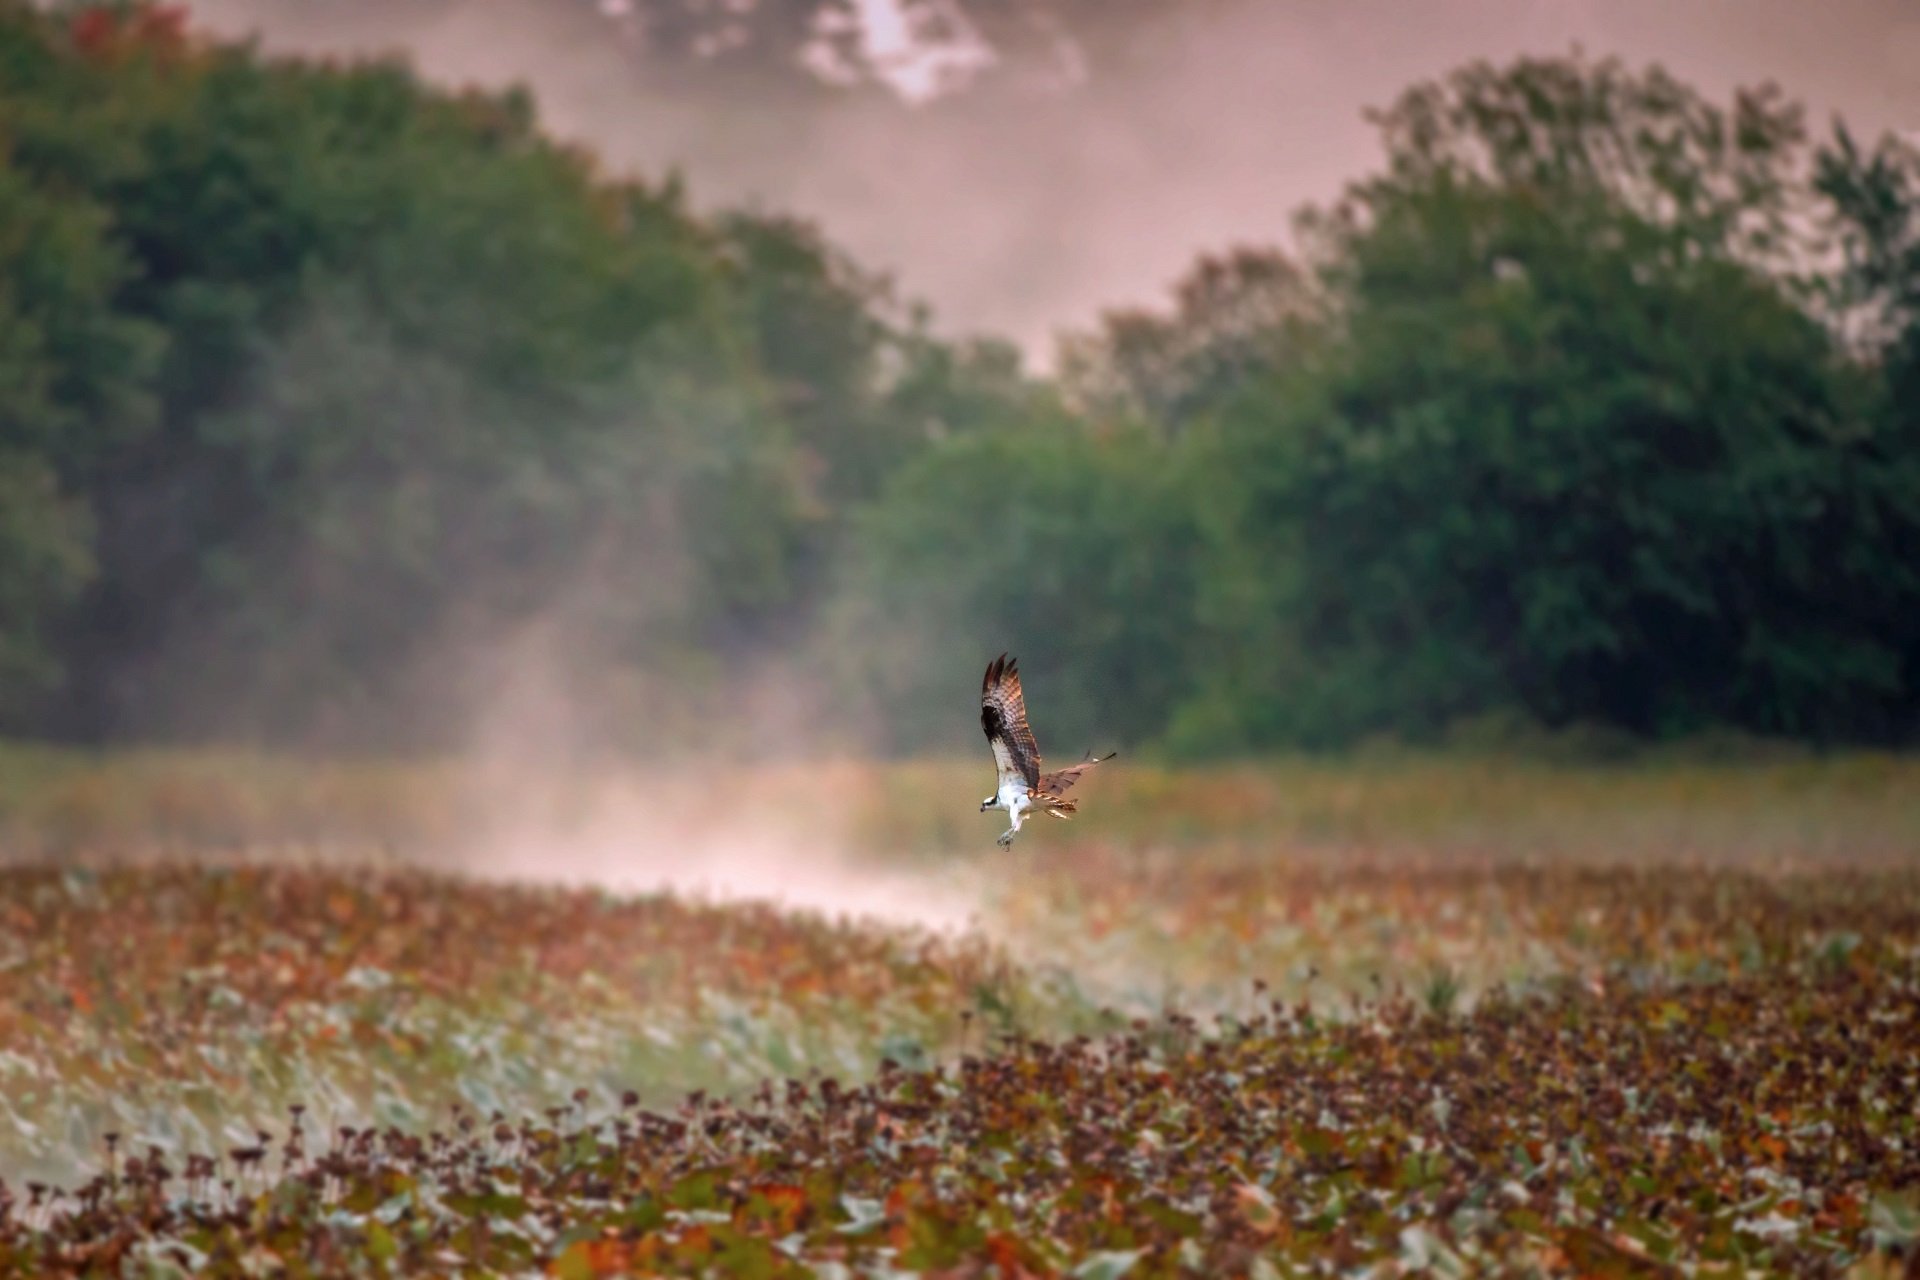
(44, 561)
(73, 386)
(1873, 200)
(819, 329)
(343, 367)
(1579, 454)
(496, 373)
(1074, 549)
(1236, 317)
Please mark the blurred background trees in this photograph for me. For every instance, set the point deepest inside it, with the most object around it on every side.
(324, 394)
(1582, 452)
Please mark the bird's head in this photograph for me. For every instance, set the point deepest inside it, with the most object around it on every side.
(988, 803)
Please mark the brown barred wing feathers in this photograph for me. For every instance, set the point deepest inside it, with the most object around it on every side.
(1003, 715)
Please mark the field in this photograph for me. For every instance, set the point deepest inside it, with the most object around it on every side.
(1393, 1016)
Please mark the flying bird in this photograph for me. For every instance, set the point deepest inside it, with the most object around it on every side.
(1016, 757)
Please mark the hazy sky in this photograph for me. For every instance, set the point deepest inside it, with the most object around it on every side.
(1026, 212)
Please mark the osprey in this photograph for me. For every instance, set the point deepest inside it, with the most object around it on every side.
(1016, 758)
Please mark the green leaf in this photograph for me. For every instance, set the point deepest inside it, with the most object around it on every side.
(1108, 1265)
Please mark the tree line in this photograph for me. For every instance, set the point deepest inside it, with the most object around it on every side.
(330, 400)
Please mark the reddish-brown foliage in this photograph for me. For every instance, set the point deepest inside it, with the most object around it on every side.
(112, 31)
(1761, 1118)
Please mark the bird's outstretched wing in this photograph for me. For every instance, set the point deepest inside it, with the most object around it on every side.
(1003, 714)
(1057, 782)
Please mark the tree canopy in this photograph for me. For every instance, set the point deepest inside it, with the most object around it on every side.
(324, 392)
